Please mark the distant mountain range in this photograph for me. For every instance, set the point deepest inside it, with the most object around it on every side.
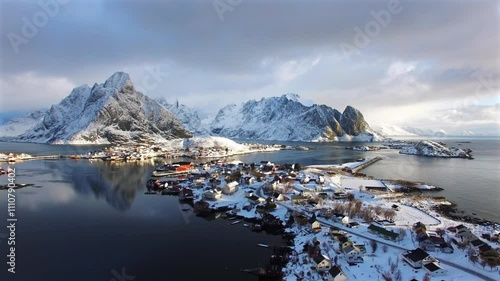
(406, 131)
(19, 125)
(115, 112)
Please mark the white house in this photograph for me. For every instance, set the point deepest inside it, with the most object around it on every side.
(256, 200)
(418, 257)
(248, 179)
(336, 274)
(322, 263)
(212, 194)
(352, 254)
(248, 193)
(282, 197)
(230, 188)
(434, 269)
(316, 226)
(345, 220)
(465, 234)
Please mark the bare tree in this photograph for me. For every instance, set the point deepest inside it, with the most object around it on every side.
(350, 196)
(374, 245)
(482, 263)
(394, 266)
(398, 276)
(492, 264)
(402, 233)
(472, 255)
(387, 276)
(357, 205)
(385, 248)
(367, 215)
(389, 214)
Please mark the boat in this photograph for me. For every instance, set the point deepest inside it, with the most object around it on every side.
(235, 222)
(172, 190)
(256, 227)
(263, 245)
(160, 173)
(270, 272)
(246, 225)
(202, 208)
(156, 184)
(186, 194)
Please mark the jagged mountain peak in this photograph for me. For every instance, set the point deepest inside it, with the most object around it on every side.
(118, 80)
(187, 116)
(112, 112)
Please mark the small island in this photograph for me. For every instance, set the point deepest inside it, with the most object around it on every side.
(436, 149)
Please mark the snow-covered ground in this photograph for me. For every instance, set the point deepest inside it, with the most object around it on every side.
(387, 257)
(376, 263)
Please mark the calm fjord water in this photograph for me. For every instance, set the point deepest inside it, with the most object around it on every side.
(85, 219)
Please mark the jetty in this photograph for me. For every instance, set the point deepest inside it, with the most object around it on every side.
(365, 164)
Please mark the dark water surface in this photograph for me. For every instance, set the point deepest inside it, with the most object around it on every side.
(86, 219)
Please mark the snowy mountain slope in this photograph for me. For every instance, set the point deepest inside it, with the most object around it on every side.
(391, 130)
(113, 112)
(285, 118)
(188, 117)
(19, 125)
(425, 132)
(405, 131)
(435, 149)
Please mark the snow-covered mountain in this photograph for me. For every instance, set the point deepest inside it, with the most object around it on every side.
(286, 118)
(425, 132)
(112, 112)
(188, 117)
(405, 131)
(435, 149)
(19, 125)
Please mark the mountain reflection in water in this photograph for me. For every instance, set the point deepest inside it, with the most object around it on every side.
(117, 183)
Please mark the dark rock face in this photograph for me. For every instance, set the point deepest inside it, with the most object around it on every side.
(353, 121)
(112, 112)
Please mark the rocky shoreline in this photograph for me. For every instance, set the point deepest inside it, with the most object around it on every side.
(450, 211)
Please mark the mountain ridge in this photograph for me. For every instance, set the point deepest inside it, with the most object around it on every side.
(285, 118)
(114, 112)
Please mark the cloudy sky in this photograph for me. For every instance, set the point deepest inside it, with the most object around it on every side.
(429, 64)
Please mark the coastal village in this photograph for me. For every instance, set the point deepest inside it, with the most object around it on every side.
(338, 223)
(339, 226)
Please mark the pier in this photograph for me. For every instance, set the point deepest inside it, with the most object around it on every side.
(365, 164)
